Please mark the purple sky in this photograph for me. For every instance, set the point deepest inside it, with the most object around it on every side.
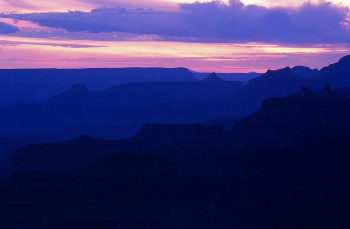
(231, 36)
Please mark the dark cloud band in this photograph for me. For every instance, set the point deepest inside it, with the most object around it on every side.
(213, 21)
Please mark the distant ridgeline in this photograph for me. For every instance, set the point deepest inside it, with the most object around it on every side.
(120, 110)
(243, 77)
(18, 85)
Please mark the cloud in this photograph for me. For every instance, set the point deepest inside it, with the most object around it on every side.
(57, 44)
(6, 28)
(212, 21)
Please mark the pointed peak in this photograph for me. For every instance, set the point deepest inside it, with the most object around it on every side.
(327, 90)
(213, 77)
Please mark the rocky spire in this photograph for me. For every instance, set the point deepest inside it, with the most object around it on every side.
(327, 91)
(213, 77)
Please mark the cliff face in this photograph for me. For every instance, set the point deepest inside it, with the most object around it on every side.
(307, 118)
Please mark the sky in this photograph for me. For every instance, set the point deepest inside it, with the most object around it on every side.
(205, 36)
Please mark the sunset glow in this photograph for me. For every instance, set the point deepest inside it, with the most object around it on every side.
(39, 43)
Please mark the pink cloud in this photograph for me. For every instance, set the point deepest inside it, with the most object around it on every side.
(205, 57)
(44, 40)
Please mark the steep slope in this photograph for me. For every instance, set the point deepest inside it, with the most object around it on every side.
(337, 74)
